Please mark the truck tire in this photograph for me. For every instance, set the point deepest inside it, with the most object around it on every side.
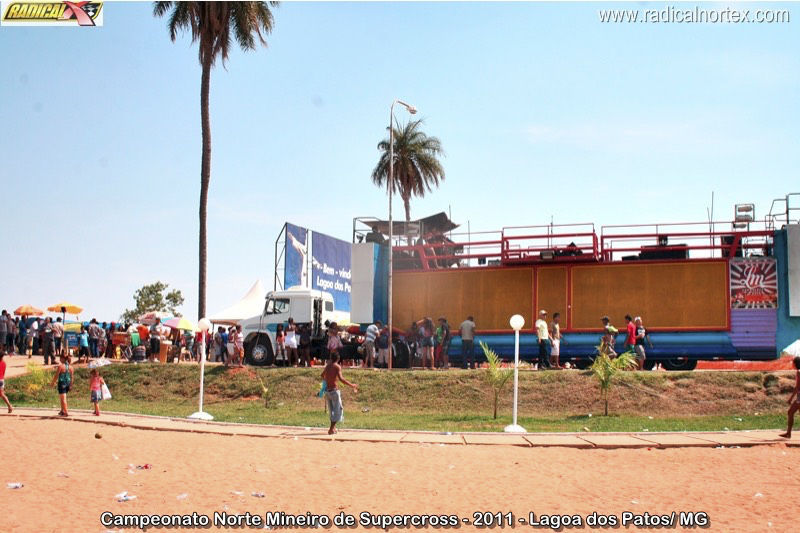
(583, 364)
(679, 364)
(400, 354)
(258, 352)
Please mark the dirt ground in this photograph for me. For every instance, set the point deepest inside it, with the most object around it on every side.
(70, 477)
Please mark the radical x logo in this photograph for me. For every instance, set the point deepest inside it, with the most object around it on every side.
(82, 13)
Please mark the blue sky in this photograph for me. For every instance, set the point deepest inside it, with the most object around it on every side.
(542, 110)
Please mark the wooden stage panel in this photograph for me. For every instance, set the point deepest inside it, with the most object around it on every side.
(551, 292)
(490, 295)
(672, 295)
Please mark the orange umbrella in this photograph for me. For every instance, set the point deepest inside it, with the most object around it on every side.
(28, 310)
(65, 307)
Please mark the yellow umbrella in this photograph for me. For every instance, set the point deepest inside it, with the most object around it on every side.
(28, 310)
(65, 307)
(180, 323)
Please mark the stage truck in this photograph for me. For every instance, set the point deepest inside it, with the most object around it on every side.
(705, 291)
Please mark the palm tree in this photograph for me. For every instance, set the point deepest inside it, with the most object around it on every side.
(214, 24)
(495, 376)
(604, 369)
(416, 163)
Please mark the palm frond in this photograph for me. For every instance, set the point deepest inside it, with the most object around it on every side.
(417, 166)
(216, 24)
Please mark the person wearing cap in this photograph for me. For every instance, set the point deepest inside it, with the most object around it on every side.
(543, 334)
(609, 338)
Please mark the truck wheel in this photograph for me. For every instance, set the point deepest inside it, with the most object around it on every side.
(679, 363)
(649, 364)
(258, 352)
(583, 364)
(400, 352)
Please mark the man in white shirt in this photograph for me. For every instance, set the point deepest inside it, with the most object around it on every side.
(467, 331)
(58, 335)
(369, 343)
(33, 334)
(543, 334)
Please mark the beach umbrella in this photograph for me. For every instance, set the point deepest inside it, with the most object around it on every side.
(97, 363)
(28, 310)
(65, 307)
(152, 317)
(180, 323)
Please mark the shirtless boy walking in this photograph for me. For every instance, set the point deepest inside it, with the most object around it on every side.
(333, 396)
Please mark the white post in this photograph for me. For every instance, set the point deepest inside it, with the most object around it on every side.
(516, 376)
(390, 184)
(517, 321)
(204, 326)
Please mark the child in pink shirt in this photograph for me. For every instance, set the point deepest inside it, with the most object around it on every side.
(96, 383)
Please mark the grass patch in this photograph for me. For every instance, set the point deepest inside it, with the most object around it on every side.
(457, 400)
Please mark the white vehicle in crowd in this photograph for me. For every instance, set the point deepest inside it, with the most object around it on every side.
(304, 306)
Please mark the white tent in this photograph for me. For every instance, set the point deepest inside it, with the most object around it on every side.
(793, 350)
(251, 304)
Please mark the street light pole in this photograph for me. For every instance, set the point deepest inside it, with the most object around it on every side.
(517, 321)
(390, 184)
(204, 325)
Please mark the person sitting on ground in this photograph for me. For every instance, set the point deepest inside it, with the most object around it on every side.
(3, 380)
(63, 377)
(794, 400)
(332, 374)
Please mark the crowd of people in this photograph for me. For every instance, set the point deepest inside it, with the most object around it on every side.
(46, 336)
(549, 339)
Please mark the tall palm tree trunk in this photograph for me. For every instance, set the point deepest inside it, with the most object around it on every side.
(205, 179)
(407, 206)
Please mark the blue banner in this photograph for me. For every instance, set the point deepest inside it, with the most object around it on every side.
(295, 269)
(330, 268)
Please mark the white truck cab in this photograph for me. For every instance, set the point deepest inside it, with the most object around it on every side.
(304, 306)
